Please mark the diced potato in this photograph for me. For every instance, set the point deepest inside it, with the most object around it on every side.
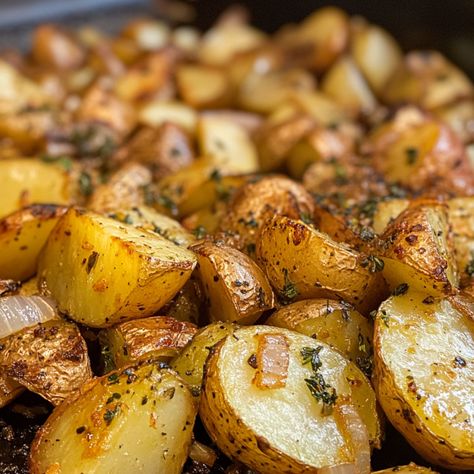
(146, 218)
(27, 181)
(346, 85)
(240, 416)
(49, 359)
(418, 250)
(302, 263)
(160, 337)
(149, 34)
(411, 468)
(335, 323)
(459, 116)
(236, 288)
(138, 419)
(22, 236)
(424, 366)
(228, 143)
(110, 272)
(186, 305)
(203, 86)
(386, 212)
(156, 113)
(377, 55)
(190, 362)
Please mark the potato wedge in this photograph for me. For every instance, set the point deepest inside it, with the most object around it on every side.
(423, 367)
(22, 236)
(156, 113)
(256, 202)
(411, 468)
(49, 359)
(418, 250)
(335, 323)
(302, 263)
(137, 419)
(160, 337)
(189, 363)
(240, 416)
(236, 289)
(111, 272)
(27, 181)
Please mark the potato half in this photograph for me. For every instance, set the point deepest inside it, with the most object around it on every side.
(302, 262)
(158, 336)
(110, 272)
(138, 419)
(424, 368)
(22, 236)
(336, 323)
(240, 416)
(237, 290)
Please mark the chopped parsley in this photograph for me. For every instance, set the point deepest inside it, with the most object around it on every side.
(384, 317)
(85, 183)
(200, 232)
(289, 290)
(63, 161)
(373, 263)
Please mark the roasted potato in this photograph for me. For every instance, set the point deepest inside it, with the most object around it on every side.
(418, 250)
(9, 389)
(423, 367)
(189, 363)
(411, 468)
(50, 359)
(27, 181)
(261, 374)
(160, 337)
(22, 236)
(9, 287)
(256, 202)
(335, 323)
(111, 272)
(301, 263)
(187, 304)
(98, 428)
(386, 212)
(236, 289)
(156, 113)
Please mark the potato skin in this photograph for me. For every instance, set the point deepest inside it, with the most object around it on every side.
(411, 468)
(423, 371)
(301, 263)
(158, 336)
(22, 236)
(97, 429)
(243, 438)
(111, 272)
(237, 290)
(49, 359)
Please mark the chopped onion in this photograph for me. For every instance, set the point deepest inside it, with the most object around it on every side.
(271, 361)
(201, 453)
(355, 431)
(19, 312)
(339, 469)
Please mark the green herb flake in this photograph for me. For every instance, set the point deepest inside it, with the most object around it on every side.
(306, 218)
(289, 290)
(63, 161)
(200, 232)
(384, 317)
(373, 263)
(85, 183)
(470, 267)
(400, 289)
(412, 155)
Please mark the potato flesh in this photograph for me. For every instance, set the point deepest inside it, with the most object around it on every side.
(22, 236)
(111, 272)
(424, 367)
(149, 431)
(303, 440)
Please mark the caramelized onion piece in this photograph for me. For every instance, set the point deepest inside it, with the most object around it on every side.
(201, 453)
(271, 362)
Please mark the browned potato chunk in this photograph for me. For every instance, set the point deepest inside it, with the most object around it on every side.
(411, 468)
(22, 236)
(49, 359)
(240, 416)
(156, 113)
(161, 337)
(423, 372)
(236, 288)
(110, 272)
(137, 419)
(301, 263)
(186, 305)
(460, 117)
(386, 212)
(256, 202)
(336, 323)
(418, 250)
(9, 390)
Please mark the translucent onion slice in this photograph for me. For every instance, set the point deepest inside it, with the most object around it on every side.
(19, 312)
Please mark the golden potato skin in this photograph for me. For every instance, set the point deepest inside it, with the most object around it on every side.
(256, 202)
(418, 249)
(49, 359)
(335, 323)
(302, 263)
(22, 236)
(237, 290)
(189, 363)
(239, 416)
(97, 429)
(423, 372)
(158, 336)
(111, 272)
(411, 468)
